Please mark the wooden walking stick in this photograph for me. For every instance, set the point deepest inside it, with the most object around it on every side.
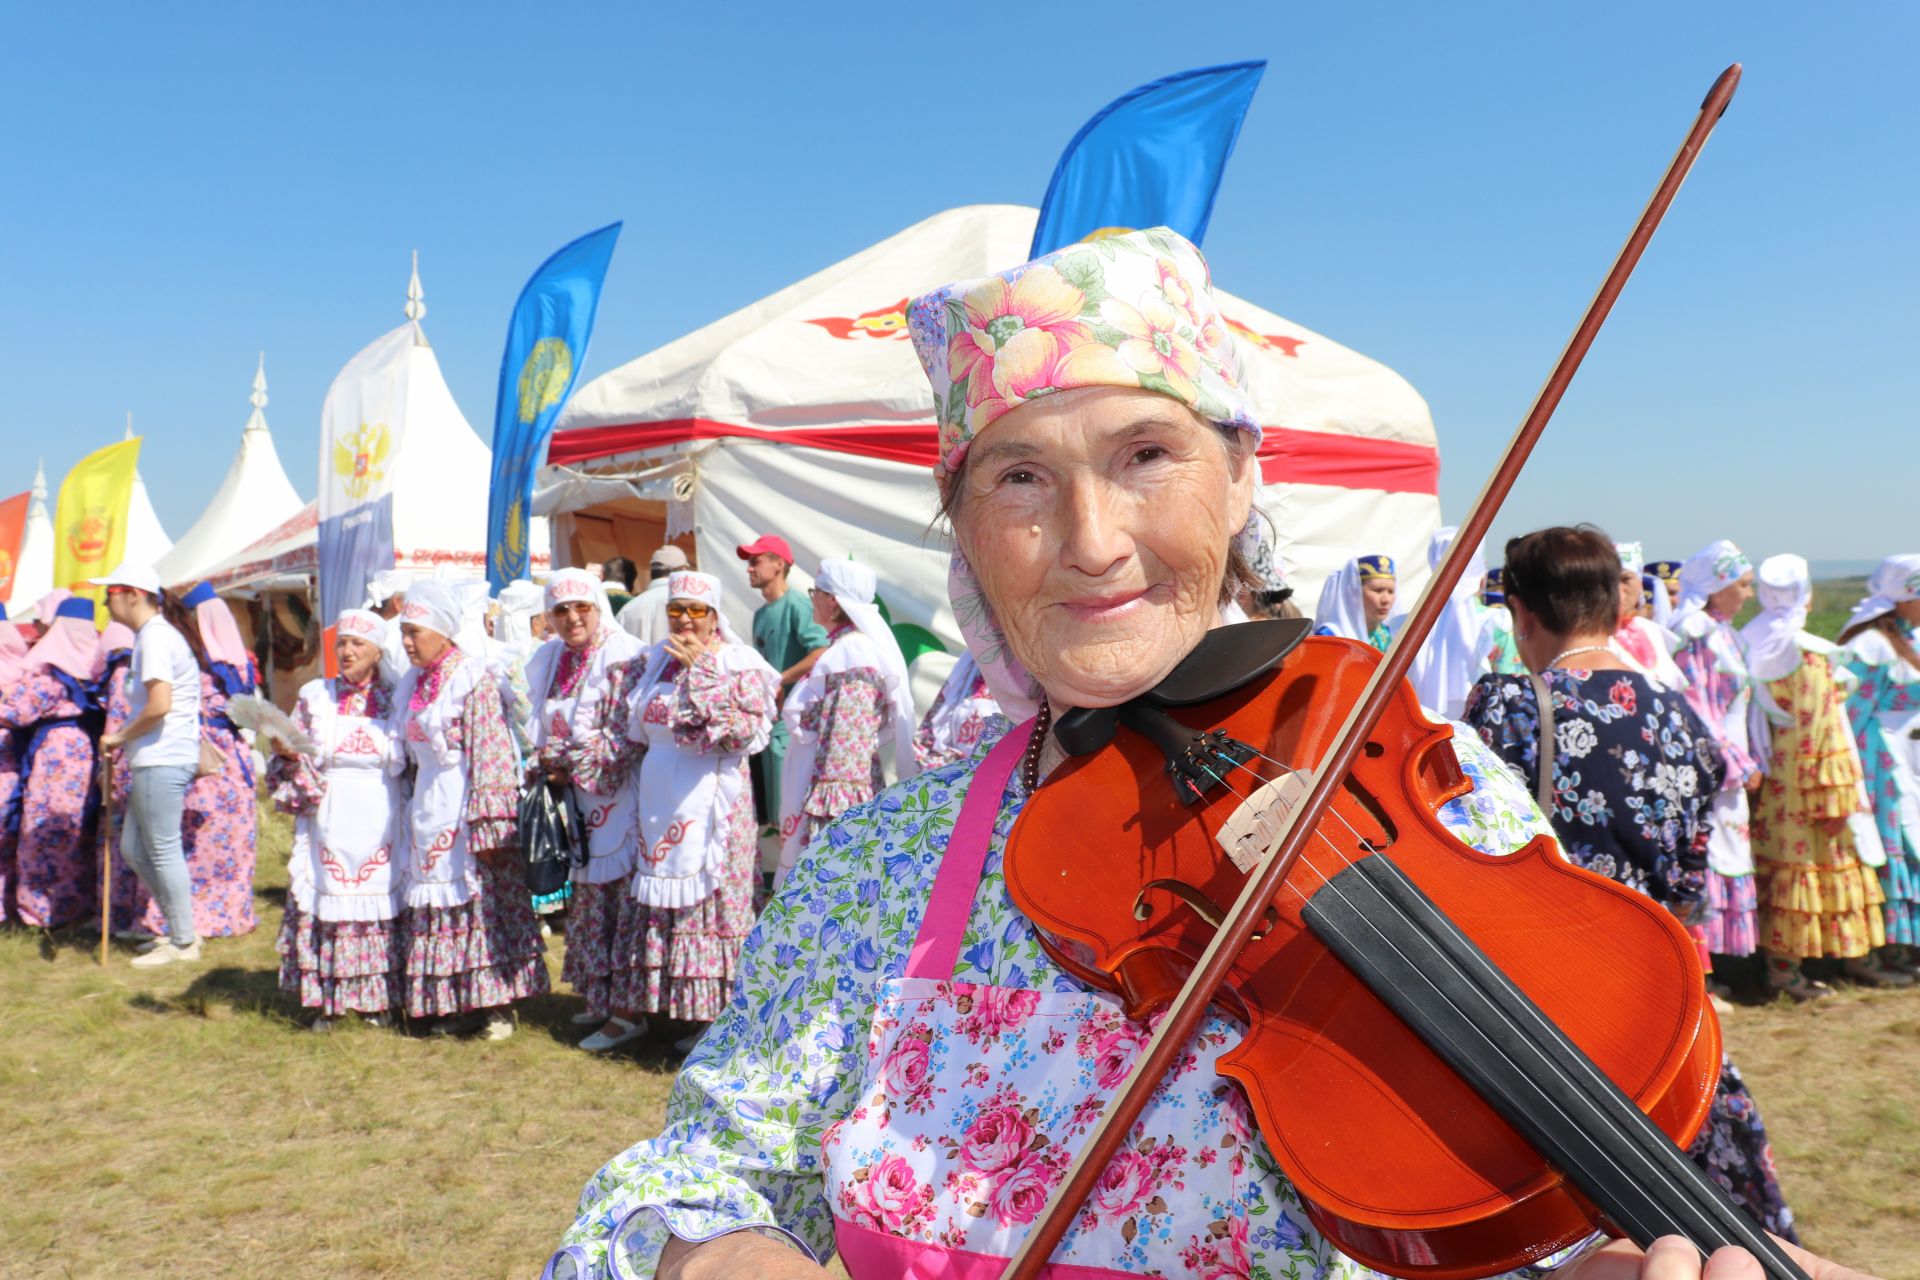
(106, 850)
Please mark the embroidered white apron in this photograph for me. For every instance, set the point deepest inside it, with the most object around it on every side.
(342, 866)
(976, 1097)
(440, 869)
(612, 821)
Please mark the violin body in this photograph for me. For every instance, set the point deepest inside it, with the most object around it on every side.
(1401, 1163)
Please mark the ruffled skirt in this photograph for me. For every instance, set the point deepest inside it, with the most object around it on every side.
(482, 954)
(337, 967)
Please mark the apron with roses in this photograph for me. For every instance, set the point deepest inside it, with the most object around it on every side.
(976, 1098)
(612, 822)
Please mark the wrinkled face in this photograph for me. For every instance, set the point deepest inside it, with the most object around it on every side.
(575, 621)
(826, 610)
(765, 569)
(1728, 600)
(1378, 594)
(423, 645)
(694, 619)
(1098, 523)
(356, 657)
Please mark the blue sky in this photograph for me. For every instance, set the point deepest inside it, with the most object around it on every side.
(1440, 187)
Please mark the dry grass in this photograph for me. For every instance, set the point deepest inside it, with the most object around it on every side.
(180, 1123)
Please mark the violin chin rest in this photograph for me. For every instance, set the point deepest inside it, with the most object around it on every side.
(1225, 659)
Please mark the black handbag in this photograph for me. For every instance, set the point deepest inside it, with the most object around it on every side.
(551, 832)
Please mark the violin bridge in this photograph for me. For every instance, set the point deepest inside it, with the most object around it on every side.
(1253, 827)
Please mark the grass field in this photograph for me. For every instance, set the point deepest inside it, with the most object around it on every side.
(180, 1123)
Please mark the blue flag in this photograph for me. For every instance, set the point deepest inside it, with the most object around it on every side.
(546, 345)
(1151, 158)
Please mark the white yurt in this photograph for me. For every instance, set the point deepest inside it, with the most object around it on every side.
(147, 542)
(33, 575)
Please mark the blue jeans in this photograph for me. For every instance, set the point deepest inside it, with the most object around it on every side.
(150, 842)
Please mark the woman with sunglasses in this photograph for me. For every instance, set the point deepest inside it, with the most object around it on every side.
(701, 704)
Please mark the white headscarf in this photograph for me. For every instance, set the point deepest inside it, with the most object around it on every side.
(1772, 639)
(1896, 580)
(362, 624)
(1633, 556)
(703, 588)
(519, 601)
(1343, 606)
(472, 593)
(564, 586)
(431, 604)
(1714, 567)
(852, 586)
(386, 584)
(1444, 670)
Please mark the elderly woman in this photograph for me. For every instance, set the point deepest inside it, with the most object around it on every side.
(54, 712)
(886, 1077)
(1816, 897)
(702, 702)
(961, 711)
(1646, 645)
(340, 950)
(1714, 584)
(1357, 601)
(577, 682)
(1631, 774)
(473, 947)
(1885, 710)
(853, 702)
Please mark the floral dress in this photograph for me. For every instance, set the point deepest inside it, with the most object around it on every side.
(217, 824)
(1720, 691)
(835, 719)
(472, 941)
(9, 819)
(55, 721)
(1885, 709)
(952, 728)
(1635, 776)
(1816, 899)
(698, 725)
(784, 1062)
(337, 966)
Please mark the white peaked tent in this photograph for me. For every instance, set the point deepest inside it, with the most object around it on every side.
(146, 541)
(34, 576)
(440, 478)
(807, 414)
(255, 498)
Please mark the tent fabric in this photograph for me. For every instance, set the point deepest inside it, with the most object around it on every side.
(33, 577)
(807, 414)
(252, 501)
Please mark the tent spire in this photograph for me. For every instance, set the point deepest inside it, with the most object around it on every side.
(39, 498)
(257, 421)
(417, 304)
(129, 434)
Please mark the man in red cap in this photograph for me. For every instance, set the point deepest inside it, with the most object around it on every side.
(789, 639)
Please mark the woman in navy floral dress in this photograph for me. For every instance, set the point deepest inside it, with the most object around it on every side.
(1635, 772)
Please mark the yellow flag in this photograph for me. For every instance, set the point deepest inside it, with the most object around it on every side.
(90, 520)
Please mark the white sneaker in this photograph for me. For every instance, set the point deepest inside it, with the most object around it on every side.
(498, 1027)
(167, 952)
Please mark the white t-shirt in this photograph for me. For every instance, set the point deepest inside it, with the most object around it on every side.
(161, 653)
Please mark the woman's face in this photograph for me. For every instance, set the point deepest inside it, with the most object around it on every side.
(1098, 523)
(1908, 611)
(1629, 595)
(1378, 595)
(355, 657)
(575, 621)
(826, 610)
(1729, 599)
(693, 619)
(423, 646)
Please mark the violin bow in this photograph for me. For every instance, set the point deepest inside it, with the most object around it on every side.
(1298, 824)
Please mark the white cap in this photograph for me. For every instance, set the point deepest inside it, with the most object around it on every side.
(668, 557)
(131, 573)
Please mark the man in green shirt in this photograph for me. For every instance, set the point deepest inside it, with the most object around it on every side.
(789, 639)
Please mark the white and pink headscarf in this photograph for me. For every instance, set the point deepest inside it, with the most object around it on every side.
(568, 586)
(219, 633)
(1772, 640)
(71, 643)
(431, 603)
(362, 624)
(1895, 581)
(1133, 311)
(690, 584)
(1713, 568)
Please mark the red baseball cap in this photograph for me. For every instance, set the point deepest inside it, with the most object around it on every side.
(767, 544)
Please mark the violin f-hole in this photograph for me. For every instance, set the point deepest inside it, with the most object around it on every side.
(1203, 906)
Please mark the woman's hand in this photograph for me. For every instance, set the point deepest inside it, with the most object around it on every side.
(112, 741)
(735, 1255)
(687, 649)
(1672, 1258)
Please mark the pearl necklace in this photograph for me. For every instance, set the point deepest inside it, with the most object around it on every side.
(1554, 661)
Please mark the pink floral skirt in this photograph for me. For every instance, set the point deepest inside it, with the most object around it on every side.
(1730, 924)
(336, 967)
(600, 927)
(483, 954)
(678, 961)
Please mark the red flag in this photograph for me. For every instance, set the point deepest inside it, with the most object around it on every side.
(13, 524)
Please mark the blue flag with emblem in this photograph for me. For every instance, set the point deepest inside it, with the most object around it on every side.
(1151, 158)
(546, 345)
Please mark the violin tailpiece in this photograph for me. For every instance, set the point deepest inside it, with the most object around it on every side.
(1384, 928)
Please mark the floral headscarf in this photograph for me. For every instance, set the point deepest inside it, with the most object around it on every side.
(1714, 567)
(1134, 311)
(1897, 579)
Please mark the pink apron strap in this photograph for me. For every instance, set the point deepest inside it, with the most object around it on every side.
(937, 949)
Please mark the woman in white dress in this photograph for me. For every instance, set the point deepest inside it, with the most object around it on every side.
(701, 704)
(340, 951)
(577, 681)
(854, 702)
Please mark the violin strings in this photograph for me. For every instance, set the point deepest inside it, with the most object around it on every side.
(1660, 1173)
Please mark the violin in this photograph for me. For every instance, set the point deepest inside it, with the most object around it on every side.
(1464, 1063)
